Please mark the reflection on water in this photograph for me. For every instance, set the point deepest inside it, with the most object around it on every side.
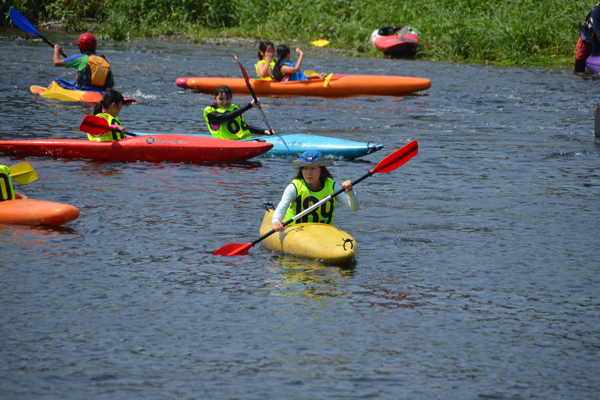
(310, 278)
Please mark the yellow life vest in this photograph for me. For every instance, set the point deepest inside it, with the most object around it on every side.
(110, 135)
(268, 78)
(234, 129)
(306, 198)
(6, 188)
(95, 73)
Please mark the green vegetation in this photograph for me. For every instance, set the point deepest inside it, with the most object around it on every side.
(508, 32)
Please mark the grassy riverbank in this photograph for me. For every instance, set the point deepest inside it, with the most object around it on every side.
(508, 32)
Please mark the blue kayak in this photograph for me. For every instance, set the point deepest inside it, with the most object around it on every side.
(292, 145)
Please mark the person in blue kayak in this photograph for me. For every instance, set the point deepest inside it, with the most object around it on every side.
(109, 108)
(588, 44)
(225, 120)
(6, 187)
(93, 71)
(312, 183)
(284, 70)
(266, 54)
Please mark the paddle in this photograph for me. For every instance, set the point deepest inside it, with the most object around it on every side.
(327, 79)
(23, 173)
(253, 95)
(23, 23)
(96, 126)
(390, 163)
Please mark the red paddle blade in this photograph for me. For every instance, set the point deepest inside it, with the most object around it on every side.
(397, 158)
(243, 71)
(94, 125)
(233, 249)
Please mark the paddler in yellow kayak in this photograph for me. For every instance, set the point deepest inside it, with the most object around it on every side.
(6, 187)
(108, 108)
(225, 120)
(93, 71)
(313, 183)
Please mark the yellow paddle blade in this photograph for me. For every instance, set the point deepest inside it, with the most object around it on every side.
(327, 79)
(320, 42)
(23, 173)
(310, 73)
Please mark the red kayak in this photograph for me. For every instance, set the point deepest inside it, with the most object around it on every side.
(152, 148)
(395, 40)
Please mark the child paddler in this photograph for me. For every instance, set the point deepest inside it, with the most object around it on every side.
(225, 120)
(93, 71)
(266, 54)
(6, 187)
(108, 108)
(312, 183)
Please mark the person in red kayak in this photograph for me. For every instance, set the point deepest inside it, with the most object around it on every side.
(312, 183)
(93, 71)
(285, 70)
(225, 120)
(6, 187)
(108, 108)
(266, 54)
(588, 44)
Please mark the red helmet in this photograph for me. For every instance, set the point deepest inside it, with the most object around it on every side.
(87, 41)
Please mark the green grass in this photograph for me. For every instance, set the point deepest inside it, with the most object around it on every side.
(509, 32)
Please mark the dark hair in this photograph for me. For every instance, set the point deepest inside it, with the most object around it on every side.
(109, 97)
(324, 175)
(282, 52)
(225, 90)
(263, 46)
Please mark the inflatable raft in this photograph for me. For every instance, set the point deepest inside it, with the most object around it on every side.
(293, 145)
(395, 40)
(312, 241)
(338, 86)
(57, 92)
(153, 148)
(26, 211)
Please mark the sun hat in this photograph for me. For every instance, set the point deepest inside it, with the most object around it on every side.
(312, 158)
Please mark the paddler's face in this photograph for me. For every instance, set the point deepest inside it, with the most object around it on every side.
(222, 100)
(311, 175)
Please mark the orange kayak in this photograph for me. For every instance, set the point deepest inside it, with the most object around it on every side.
(338, 86)
(26, 211)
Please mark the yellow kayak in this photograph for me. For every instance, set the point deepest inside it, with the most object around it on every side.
(57, 92)
(312, 241)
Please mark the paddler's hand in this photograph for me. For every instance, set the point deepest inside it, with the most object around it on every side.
(277, 226)
(268, 132)
(57, 48)
(255, 104)
(347, 185)
(322, 75)
(300, 53)
(269, 57)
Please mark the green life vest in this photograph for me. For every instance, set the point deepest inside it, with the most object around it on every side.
(234, 129)
(110, 135)
(268, 78)
(306, 198)
(6, 188)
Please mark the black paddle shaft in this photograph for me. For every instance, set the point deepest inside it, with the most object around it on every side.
(309, 209)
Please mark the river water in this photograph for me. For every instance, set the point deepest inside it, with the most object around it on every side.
(477, 275)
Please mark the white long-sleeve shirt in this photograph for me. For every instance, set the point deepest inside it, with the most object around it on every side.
(347, 199)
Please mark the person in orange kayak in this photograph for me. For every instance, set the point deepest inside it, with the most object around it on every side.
(108, 108)
(312, 183)
(266, 54)
(93, 71)
(225, 120)
(285, 70)
(6, 187)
